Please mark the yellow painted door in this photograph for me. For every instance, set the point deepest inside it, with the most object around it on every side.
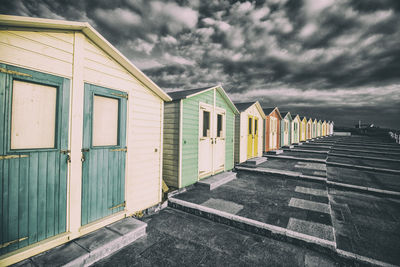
(250, 137)
(255, 150)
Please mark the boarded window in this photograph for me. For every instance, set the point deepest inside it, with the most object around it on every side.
(33, 115)
(219, 125)
(206, 123)
(105, 121)
(255, 126)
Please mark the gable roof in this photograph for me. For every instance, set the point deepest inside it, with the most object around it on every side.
(187, 93)
(297, 116)
(304, 118)
(268, 111)
(93, 35)
(245, 105)
(286, 114)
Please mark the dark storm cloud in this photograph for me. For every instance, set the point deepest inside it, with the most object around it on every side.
(294, 53)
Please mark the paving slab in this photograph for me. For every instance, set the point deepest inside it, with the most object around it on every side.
(311, 191)
(223, 205)
(319, 230)
(308, 205)
(299, 167)
(176, 238)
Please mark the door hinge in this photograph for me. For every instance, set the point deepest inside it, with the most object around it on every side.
(12, 242)
(13, 156)
(119, 149)
(120, 95)
(118, 206)
(13, 72)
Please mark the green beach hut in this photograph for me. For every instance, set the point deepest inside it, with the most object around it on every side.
(198, 135)
(296, 130)
(286, 129)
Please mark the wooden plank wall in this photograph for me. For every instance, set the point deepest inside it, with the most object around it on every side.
(47, 51)
(171, 143)
(238, 138)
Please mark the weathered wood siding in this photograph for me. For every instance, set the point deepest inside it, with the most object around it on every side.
(47, 51)
(145, 111)
(171, 143)
(190, 136)
(238, 137)
(230, 124)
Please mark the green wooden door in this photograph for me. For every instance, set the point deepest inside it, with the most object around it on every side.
(34, 110)
(103, 153)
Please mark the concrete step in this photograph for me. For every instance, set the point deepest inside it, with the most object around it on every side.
(275, 152)
(364, 157)
(362, 167)
(256, 161)
(92, 247)
(217, 180)
(253, 226)
(310, 151)
(284, 173)
(298, 158)
(288, 147)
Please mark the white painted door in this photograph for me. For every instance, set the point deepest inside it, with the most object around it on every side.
(286, 133)
(219, 140)
(272, 135)
(205, 140)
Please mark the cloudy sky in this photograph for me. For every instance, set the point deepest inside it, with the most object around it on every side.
(332, 59)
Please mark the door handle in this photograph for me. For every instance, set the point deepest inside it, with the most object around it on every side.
(66, 152)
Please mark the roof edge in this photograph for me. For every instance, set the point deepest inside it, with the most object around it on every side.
(92, 34)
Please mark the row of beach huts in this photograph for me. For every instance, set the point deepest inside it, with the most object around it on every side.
(87, 139)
